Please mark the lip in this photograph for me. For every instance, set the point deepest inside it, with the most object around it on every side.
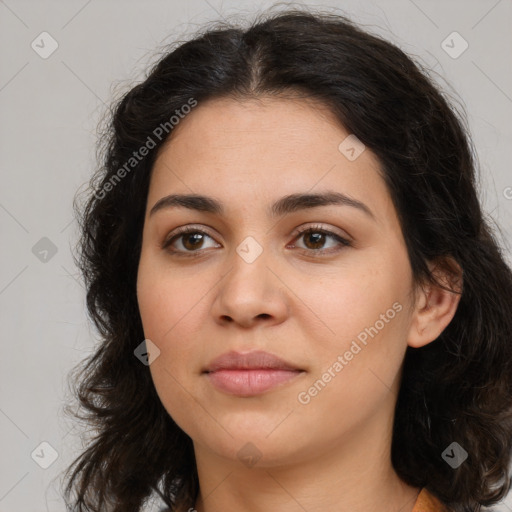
(249, 374)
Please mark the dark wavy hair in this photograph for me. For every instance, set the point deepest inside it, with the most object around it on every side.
(456, 389)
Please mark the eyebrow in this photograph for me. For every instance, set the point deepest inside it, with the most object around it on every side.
(283, 206)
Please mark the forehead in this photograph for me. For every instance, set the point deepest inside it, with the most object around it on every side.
(242, 150)
(285, 122)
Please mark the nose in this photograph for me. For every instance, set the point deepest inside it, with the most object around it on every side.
(251, 292)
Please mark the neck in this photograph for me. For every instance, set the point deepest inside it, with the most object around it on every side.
(355, 475)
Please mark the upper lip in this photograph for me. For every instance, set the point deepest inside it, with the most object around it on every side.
(248, 361)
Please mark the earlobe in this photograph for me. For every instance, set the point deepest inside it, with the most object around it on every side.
(436, 305)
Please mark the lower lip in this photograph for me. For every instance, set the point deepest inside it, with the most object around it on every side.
(250, 382)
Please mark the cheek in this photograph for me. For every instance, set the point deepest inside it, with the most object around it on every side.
(356, 366)
(172, 305)
(359, 313)
(166, 310)
(346, 302)
(168, 299)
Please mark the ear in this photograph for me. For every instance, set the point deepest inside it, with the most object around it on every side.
(435, 305)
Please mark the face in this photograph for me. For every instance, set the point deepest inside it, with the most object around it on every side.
(333, 303)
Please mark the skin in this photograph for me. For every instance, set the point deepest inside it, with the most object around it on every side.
(332, 453)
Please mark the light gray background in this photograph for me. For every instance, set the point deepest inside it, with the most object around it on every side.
(50, 109)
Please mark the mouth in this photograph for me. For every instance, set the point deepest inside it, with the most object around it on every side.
(249, 374)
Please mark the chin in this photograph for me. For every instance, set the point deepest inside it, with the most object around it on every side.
(255, 446)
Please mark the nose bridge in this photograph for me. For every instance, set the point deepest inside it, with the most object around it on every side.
(249, 264)
(249, 289)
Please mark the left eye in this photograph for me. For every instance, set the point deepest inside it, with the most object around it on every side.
(317, 236)
(192, 239)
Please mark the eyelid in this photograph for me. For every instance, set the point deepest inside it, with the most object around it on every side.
(184, 230)
(327, 229)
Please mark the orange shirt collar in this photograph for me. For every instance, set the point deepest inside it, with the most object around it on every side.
(427, 502)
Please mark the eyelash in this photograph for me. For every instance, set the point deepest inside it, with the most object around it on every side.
(311, 229)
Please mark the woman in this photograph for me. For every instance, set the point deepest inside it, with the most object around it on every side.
(300, 302)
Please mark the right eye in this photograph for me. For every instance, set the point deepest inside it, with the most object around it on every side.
(191, 240)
